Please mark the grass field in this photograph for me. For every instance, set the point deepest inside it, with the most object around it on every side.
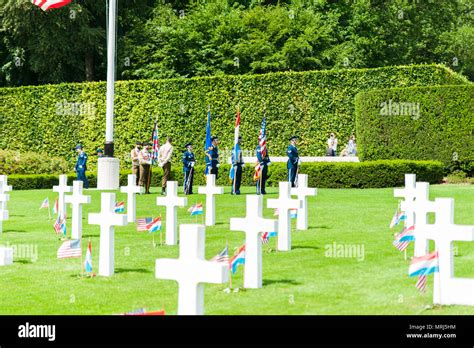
(303, 281)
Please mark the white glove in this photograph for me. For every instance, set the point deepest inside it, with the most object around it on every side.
(192, 164)
(217, 165)
(299, 162)
(269, 163)
(243, 164)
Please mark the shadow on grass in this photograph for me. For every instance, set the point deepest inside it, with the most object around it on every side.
(280, 281)
(132, 270)
(19, 215)
(23, 261)
(7, 231)
(305, 247)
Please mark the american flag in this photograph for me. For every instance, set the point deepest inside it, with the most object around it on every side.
(400, 245)
(222, 257)
(60, 225)
(156, 144)
(421, 283)
(70, 248)
(262, 137)
(142, 223)
(47, 4)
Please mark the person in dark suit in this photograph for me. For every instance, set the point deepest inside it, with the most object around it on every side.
(293, 161)
(189, 160)
(213, 154)
(237, 164)
(264, 161)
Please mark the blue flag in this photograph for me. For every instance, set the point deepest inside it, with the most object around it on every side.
(208, 141)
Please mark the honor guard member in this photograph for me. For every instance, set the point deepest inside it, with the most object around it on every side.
(164, 161)
(100, 153)
(264, 161)
(144, 159)
(81, 166)
(189, 160)
(237, 164)
(293, 161)
(213, 154)
(134, 155)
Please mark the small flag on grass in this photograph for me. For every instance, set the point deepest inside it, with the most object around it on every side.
(238, 259)
(397, 218)
(222, 257)
(196, 209)
(119, 207)
(154, 226)
(142, 223)
(45, 203)
(88, 261)
(70, 248)
(56, 207)
(423, 266)
(267, 235)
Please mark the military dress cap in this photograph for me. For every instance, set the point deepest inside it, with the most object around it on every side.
(188, 144)
(100, 150)
(214, 138)
(78, 146)
(294, 137)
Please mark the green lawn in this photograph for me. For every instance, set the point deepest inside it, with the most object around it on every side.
(303, 281)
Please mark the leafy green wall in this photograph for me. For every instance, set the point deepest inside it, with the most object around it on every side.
(442, 130)
(309, 104)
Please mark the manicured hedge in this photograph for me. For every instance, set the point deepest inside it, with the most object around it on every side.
(321, 174)
(442, 131)
(311, 104)
(15, 162)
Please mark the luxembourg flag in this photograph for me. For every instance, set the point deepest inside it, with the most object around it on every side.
(399, 216)
(47, 4)
(238, 259)
(267, 235)
(154, 226)
(119, 207)
(88, 262)
(407, 235)
(196, 209)
(56, 207)
(424, 265)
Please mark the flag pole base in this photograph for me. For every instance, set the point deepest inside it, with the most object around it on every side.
(108, 173)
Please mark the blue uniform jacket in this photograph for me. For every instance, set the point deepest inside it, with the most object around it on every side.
(293, 157)
(188, 158)
(81, 164)
(262, 160)
(214, 153)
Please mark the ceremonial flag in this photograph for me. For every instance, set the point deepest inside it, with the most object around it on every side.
(236, 149)
(196, 209)
(88, 262)
(70, 248)
(45, 203)
(119, 207)
(208, 143)
(47, 4)
(238, 259)
(222, 257)
(142, 223)
(156, 144)
(56, 207)
(399, 216)
(262, 141)
(154, 226)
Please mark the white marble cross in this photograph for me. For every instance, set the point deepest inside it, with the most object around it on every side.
(6, 256)
(172, 202)
(77, 199)
(302, 191)
(284, 204)
(409, 194)
(210, 190)
(253, 225)
(191, 270)
(62, 189)
(4, 198)
(448, 290)
(5, 188)
(131, 190)
(419, 207)
(107, 219)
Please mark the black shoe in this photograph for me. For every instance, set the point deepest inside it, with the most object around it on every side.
(264, 192)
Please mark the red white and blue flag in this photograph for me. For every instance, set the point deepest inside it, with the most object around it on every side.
(267, 235)
(236, 150)
(154, 226)
(407, 235)
(45, 203)
(422, 267)
(293, 213)
(196, 209)
(47, 4)
(397, 218)
(70, 248)
(88, 261)
(222, 257)
(155, 143)
(119, 207)
(262, 141)
(142, 223)
(60, 225)
(56, 207)
(238, 259)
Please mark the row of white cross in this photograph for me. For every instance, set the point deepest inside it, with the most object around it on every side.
(447, 289)
(191, 270)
